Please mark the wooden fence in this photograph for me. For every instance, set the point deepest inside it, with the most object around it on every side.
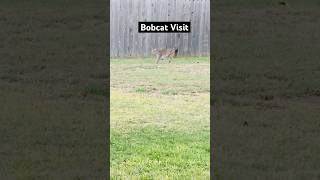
(125, 41)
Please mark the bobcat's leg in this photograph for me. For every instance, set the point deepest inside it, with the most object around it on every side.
(158, 58)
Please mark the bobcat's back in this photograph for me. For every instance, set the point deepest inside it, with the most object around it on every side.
(165, 53)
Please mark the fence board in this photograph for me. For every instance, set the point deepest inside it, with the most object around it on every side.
(126, 41)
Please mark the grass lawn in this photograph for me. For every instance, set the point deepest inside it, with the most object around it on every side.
(267, 90)
(52, 112)
(160, 117)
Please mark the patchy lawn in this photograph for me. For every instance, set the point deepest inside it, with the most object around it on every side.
(160, 117)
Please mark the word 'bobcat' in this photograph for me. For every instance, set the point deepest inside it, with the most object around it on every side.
(164, 53)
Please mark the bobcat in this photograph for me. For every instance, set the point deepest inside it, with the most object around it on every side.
(164, 53)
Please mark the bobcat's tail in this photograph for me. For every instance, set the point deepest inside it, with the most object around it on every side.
(175, 52)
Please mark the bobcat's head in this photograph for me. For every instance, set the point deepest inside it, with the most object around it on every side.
(155, 51)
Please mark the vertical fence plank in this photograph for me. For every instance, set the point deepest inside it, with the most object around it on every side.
(126, 41)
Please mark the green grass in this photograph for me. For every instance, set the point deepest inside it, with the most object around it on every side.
(52, 53)
(160, 119)
(266, 73)
(96, 89)
(150, 153)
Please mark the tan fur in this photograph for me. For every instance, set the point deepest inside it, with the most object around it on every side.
(164, 53)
